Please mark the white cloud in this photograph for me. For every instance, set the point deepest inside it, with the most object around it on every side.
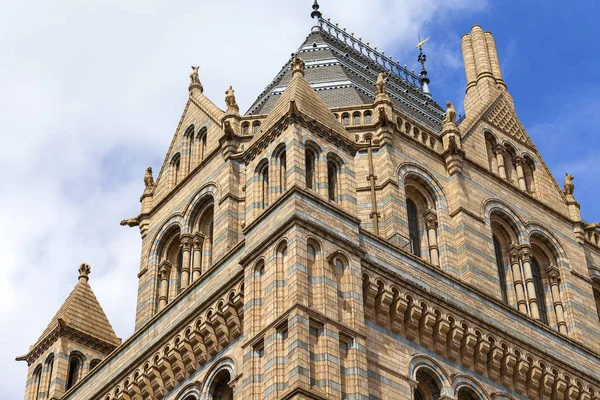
(91, 94)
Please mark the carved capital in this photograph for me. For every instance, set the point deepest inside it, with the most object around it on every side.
(513, 253)
(525, 252)
(198, 239)
(553, 274)
(431, 220)
(164, 270)
(518, 160)
(186, 241)
(84, 272)
(498, 149)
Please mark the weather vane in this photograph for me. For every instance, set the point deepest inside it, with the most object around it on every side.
(422, 57)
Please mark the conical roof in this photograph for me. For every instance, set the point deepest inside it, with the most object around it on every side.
(343, 72)
(82, 311)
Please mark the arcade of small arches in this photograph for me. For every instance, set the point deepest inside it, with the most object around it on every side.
(192, 152)
(527, 261)
(323, 174)
(183, 257)
(42, 376)
(355, 118)
(506, 162)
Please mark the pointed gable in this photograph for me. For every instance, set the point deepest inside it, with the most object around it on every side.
(306, 102)
(502, 115)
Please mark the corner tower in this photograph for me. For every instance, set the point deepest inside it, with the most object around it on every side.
(76, 340)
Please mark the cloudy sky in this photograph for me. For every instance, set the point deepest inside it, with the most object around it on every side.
(91, 92)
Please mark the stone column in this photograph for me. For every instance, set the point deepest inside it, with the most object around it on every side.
(513, 253)
(525, 253)
(499, 152)
(520, 173)
(431, 223)
(186, 244)
(164, 272)
(197, 256)
(554, 278)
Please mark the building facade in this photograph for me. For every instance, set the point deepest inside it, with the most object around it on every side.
(346, 238)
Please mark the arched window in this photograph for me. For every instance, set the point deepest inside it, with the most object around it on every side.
(202, 257)
(540, 295)
(333, 179)
(311, 267)
(245, 128)
(356, 118)
(427, 386)
(368, 117)
(413, 227)
(345, 119)
(37, 381)
(200, 143)
(220, 389)
(466, 393)
(500, 266)
(528, 170)
(255, 127)
(282, 169)
(310, 160)
(94, 363)
(509, 164)
(490, 143)
(263, 182)
(50, 369)
(75, 366)
(169, 270)
(175, 170)
(280, 266)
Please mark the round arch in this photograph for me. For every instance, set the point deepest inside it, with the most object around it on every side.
(224, 364)
(207, 193)
(430, 365)
(497, 207)
(466, 382)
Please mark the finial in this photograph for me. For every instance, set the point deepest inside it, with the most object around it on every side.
(422, 59)
(84, 272)
(316, 13)
(297, 67)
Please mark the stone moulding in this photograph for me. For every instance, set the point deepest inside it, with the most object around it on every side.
(168, 364)
(403, 310)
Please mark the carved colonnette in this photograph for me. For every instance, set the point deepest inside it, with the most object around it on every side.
(180, 354)
(406, 311)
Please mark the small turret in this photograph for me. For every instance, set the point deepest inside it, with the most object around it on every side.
(80, 323)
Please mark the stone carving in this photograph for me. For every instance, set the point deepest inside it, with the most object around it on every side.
(569, 187)
(297, 66)
(452, 145)
(84, 271)
(230, 99)
(450, 113)
(381, 82)
(148, 179)
(383, 118)
(194, 75)
(131, 222)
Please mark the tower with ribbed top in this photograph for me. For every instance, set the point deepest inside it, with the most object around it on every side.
(349, 238)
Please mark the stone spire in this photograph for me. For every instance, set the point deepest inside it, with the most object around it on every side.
(422, 59)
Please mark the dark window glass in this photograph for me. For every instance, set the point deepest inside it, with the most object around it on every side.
(500, 266)
(413, 228)
(310, 169)
(74, 367)
(539, 290)
(332, 180)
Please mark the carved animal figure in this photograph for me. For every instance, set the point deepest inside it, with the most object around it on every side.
(383, 118)
(148, 179)
(381, 82)
(131, 222)
(569, 187)
(450, 113)
(194, 75)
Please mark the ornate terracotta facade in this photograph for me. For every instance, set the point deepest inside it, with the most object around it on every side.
(346, 238)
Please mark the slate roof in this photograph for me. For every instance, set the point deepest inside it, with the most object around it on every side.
(343, 72)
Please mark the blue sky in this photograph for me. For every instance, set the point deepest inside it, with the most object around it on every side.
(550, 57)
(93, 91)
